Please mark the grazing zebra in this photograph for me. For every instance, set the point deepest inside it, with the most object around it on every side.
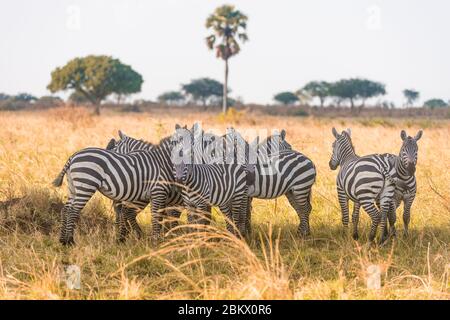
(222, 185)
(362, 180)
(126, 214)
(137, 178)
(403, 167)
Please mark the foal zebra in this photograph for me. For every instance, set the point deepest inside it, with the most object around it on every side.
(362, 180)
(204, 185)
(402, 167)
(137, 178)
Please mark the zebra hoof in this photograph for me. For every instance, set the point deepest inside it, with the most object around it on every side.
(355, 236)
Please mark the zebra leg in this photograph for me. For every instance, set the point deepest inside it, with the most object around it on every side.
(205, 218)
(228, 212)
(64, 213)
(131, 222)
(343, 202)
(239, 213)
(407, 214)
(355, 220)
(248, 218)
(157, 217)
(173, 215)
(122, 230)
(73, 215)
(385, 205)
(301, 203)
(374, 215)
(392, 216)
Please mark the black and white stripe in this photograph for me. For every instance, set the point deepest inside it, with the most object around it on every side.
(402, 168)
(364, 180)
(205, 185)
(126, 214)
(136, 178)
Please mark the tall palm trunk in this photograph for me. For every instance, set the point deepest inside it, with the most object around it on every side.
(225, 89)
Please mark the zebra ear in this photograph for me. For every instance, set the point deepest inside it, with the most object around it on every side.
(335, 133)
(283, 134)
(349, 131)
(177, 126)
(122, 135)
(418, 135)
(111, 144)
(403, 135)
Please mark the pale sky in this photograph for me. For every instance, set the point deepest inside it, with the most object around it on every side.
(402, 43)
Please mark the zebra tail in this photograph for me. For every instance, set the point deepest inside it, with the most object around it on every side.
(59, 179)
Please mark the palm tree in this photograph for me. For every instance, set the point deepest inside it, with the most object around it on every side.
(228, 26)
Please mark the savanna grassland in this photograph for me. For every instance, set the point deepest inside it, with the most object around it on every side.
(274, 264)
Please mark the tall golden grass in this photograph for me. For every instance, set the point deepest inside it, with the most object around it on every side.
(211, 264)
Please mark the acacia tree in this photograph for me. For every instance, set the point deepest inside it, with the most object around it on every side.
(286, 98)
(171, 97)
(318, 89)
(203, 89)
(435, 103)
(96, 77)
(356, 89)
(228, 26)
(411, 96)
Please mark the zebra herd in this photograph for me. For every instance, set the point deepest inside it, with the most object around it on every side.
(196, 170)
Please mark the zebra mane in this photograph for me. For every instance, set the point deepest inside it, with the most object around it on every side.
(163, 141)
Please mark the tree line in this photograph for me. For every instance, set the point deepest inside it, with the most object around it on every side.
(92, 79)
(353, 91)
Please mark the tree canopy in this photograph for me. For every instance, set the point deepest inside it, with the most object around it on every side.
(357, 89)
(411, 96)
(25, 97)
(203, 89)
(286, 98)
(96, 77)
(435, 103)
(317, 89)
(171, 97)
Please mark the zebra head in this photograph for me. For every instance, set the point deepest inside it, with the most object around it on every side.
(182, 143)
(275, 142)
(342, 147)
(408, 151)
(127, 144)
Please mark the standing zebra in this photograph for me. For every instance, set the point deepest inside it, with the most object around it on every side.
(403, 167)
(279, 170)
(362, 180)
(126, 214)
(138, 178)
(204, 185)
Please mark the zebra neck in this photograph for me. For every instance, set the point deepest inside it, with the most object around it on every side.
(400, 168)
(348, 158)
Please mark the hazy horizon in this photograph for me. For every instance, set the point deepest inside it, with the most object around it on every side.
(402, 44)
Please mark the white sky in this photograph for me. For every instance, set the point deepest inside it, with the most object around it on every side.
(402, 43)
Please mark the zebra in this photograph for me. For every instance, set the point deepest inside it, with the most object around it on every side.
(222, 185)
(233, 148)
(364, 180)
(126, 214)
(138, 178)
(278, 170)
(403, 167)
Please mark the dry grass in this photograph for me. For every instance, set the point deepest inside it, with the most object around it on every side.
(211, 264)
